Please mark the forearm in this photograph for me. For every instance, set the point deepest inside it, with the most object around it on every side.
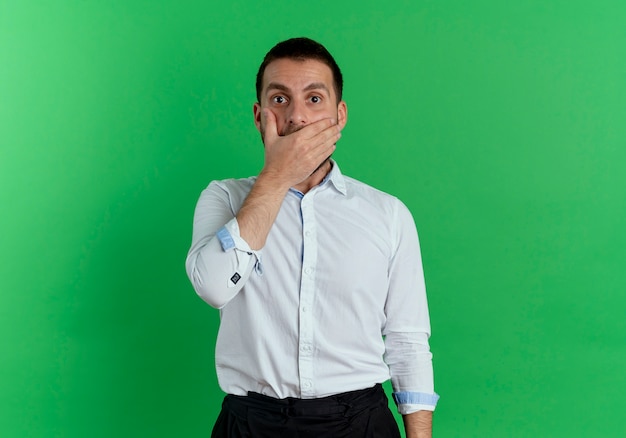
(289, 160)
(219, 261)
(259, 210)
(418, 424)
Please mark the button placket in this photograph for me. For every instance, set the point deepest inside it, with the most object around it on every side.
(307, 290)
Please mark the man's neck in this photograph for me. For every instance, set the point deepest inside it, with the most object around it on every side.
(316, 177)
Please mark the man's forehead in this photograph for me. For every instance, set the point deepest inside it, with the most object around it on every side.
(288, 72)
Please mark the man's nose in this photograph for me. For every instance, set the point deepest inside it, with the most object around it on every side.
(297, 114)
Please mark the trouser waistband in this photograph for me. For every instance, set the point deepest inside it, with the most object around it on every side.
(346, 404)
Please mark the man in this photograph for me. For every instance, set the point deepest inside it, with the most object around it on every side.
(317, 276)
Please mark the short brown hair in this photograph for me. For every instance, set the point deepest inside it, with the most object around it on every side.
(300, 49)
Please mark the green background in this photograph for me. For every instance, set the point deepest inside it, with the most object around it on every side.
(502, 125)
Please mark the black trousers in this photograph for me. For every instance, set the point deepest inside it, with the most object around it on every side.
(355, 414)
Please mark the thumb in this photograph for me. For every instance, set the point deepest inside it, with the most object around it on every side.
(271, 131)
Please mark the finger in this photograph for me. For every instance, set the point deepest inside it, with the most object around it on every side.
(271, 132)
(321, 157)
(313, 129)
(331, 133)
(324, 147)
(325, 152)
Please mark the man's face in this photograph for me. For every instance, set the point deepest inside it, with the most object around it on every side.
(298, 93)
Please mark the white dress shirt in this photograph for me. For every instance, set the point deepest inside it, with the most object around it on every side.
(335, 301)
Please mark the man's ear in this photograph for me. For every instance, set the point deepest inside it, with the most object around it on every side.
(257, 115)
(342, 114)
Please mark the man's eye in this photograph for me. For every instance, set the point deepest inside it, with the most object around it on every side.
(278, 99)
(316, 99)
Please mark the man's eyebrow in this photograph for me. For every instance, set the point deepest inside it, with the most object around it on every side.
(317, 86)
(277, 86)
(311, 86)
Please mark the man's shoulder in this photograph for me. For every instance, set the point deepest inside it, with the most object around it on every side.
(232, 191)
(233, 185)
(377, 204)
(361, 189)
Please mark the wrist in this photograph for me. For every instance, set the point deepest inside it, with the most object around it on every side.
(273, 181)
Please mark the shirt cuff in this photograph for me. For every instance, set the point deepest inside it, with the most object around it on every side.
(230, 239)
(225, 238)
(409, 402)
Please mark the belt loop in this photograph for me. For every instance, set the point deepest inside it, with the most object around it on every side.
(348, 407)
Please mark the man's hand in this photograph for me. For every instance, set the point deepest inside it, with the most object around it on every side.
(289, 160)
(292, 158)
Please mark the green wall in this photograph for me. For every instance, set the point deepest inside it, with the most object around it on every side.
(502, 125)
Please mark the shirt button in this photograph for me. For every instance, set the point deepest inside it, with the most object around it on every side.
(307, 384)
(303, 309)
(307, 271)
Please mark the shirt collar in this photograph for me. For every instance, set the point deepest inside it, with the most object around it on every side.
(336, 178)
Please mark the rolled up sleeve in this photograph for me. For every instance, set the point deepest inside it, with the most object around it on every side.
(407, 330)
(219, 261)
(410, 361)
